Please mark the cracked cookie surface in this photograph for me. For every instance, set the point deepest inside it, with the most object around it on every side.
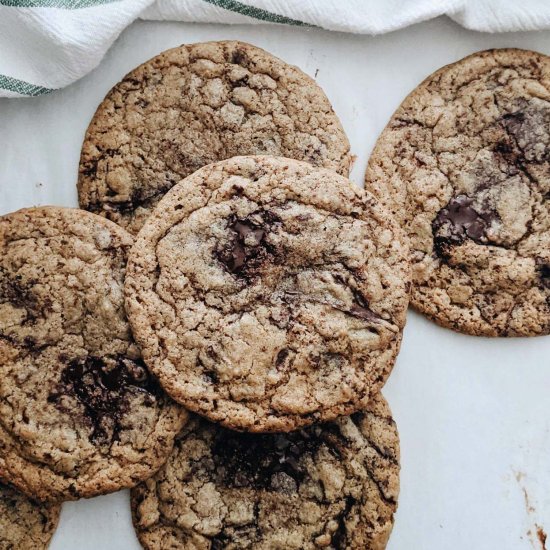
(194, 105)
(267, 294)
(464, 164)
(24, 523)
(80, 414)
(331, 485)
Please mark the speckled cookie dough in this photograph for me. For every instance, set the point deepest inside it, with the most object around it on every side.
(24, 523)
(79, 413)
(464, 165)
(329, 486)
(194, 105)
(267, 294)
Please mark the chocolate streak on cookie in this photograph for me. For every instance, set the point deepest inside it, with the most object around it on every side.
(459, 221)
(274, 462)
(267, 461)
(362, 309)
(543, 270)
(339, 538)
(19, 294)
(103, 389)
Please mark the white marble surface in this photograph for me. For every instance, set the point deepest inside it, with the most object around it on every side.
(473, 413)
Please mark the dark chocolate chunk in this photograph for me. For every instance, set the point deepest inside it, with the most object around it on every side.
(459, 221)
(211, 376)
(281, 357)
(139, 198)
(241, 82)
(235, 537)
(248, 248)
(219, 542)
(89, 169)
(505, 149)
(239, 57)
(514, 121)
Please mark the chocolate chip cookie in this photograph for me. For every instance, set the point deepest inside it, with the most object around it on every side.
(464, 164)
(24, 523)
(194, 105)
(268, 294)
(332, 485)
(79, 413)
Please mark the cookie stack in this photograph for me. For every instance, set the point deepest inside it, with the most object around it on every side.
(216, 333)
(241, 337)
(268, 295)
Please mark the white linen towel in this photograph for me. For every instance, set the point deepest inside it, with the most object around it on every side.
(48, 44)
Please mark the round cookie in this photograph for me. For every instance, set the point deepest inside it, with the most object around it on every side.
(79, 413)
(194, 105)
(24, 523)
(331, 485)
(268, 294)
(464, 164)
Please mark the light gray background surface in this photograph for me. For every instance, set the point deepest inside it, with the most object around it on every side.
(473, 413)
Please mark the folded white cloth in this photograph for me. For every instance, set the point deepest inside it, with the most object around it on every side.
(48, 44)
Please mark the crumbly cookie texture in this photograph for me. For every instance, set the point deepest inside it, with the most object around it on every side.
(79, 413)
(464, 165)
(24, 523)
(194, 105)
(267, 294)
(331, 485)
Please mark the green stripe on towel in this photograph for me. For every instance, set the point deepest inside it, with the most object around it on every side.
(22, 87)
(256, 13)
